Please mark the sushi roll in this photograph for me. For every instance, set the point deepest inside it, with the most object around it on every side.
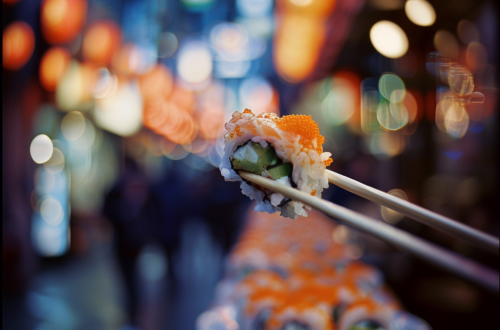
(287, 149)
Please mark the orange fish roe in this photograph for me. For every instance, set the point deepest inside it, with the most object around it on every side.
(305, 127)
(313, 193)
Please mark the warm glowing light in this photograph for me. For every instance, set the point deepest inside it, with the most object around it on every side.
(41, 149)
(62, 20)
(56, 162)
(51, 211)
(341, 234)
(131, 59)
(389, 39)
(101, 41)
(297, 45)
(311, 8)
(420, 12)
(195, 63)
(156, 83)
(73, 125)
(461, 80)
(447, 44)
(18, 43)
(121, 112)
(456, 120)
(53, 65)
(391, 216)
(75, 88)
(476, 56)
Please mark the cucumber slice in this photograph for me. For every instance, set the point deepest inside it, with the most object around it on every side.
(253, 158)
(279, 171)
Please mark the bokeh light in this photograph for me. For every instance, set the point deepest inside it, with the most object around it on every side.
(100, 42)
(467, 31)
(74, 91)
(56, 162)
(389, 39)
(18, 42)
(420, 12)
(121, 112)
(62, 20)
(389, 215)
(51, 211)
(446, 43)
(386, 4)
(53, 66)
(157, 83)
(41, 149)
(476, 56)
(392, 115)
(296, 46)
(167, 45)
(392, 87)
(73, 125)
(195, 62)
(461, 80)
(256, 93)
(254, 8)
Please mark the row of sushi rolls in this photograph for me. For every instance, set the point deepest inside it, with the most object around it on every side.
(286, 274)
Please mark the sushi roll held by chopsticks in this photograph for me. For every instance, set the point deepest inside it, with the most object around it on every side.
(287, 149)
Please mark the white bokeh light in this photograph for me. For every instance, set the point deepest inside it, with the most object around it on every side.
(389, 39)
(41, 149)
(195, 62)
(420, 12)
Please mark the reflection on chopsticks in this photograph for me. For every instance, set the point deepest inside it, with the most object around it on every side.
(438, 256)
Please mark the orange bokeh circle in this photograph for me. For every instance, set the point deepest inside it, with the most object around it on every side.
(18, 45)
(53, 66)
(101, 41)
(62, 20)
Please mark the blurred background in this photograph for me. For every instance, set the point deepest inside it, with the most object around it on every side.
(115, 215)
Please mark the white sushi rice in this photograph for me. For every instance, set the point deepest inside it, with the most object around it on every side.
(306, 176)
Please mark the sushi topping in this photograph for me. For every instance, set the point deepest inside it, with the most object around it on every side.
(252, 157)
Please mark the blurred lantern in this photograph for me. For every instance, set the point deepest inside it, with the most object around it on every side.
(53, 66)
(120, 112)
(101, 41)
(157, 83)
(297, 44)
(62, 20)
(420, 12)
(389, 39)
(18, 44)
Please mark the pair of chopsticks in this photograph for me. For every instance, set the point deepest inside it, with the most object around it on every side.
(429, 252)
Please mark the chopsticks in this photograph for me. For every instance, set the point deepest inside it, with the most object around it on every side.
(450, 226)
(440, 257)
